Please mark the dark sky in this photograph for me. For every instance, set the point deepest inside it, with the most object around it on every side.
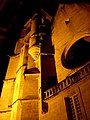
(13, 15)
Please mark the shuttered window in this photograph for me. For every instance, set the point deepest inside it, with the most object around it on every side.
(74, 108)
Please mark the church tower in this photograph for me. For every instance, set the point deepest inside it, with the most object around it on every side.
(48, 77)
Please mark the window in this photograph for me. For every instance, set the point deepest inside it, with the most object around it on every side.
(74, 108)
(78, 54)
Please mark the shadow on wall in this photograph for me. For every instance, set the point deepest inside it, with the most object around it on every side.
(48, 69)
(3, 68)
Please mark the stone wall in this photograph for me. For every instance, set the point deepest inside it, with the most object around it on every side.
(21, 96)
(72, 22)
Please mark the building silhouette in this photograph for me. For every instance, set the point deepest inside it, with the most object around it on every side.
(48, 77)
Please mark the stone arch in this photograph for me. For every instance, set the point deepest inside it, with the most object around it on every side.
(77, 52)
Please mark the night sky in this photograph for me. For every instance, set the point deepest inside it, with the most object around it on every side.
(13, 15)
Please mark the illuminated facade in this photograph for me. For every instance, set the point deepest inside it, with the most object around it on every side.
(49, 75)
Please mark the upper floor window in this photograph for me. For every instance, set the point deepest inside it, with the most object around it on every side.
(78, 54)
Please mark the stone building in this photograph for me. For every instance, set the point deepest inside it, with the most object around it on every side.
(48, 76)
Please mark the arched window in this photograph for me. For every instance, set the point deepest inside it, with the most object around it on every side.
(78, 54)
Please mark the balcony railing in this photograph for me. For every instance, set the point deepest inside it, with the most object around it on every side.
(68, 81)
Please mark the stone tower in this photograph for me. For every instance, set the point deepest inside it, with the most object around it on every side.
(48, 77)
